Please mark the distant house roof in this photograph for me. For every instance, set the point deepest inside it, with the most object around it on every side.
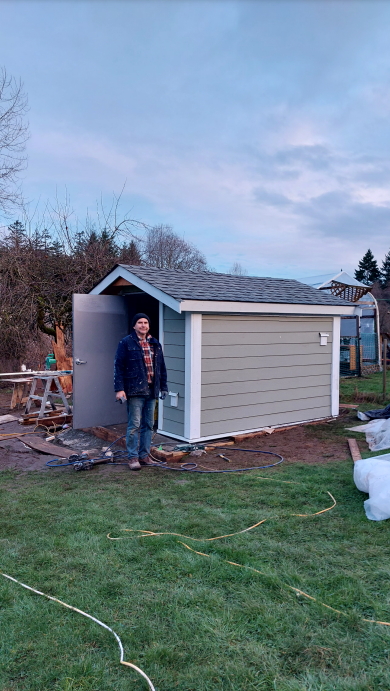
(210, 286)
(340, 284)
(325, 280)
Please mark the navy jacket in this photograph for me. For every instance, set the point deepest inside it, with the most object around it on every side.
(130, 373)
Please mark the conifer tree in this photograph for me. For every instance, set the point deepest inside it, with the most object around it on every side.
(367, 271)
(385, 271)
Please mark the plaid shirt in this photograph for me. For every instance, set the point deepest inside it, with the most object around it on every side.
(147, 350)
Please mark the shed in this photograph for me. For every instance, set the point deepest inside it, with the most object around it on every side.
(242, 352)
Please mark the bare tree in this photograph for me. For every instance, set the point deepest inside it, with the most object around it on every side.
(238, 270)
(165, 249)
(14, 133)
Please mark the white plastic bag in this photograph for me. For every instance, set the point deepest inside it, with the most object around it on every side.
(372, 475)
(378, 435)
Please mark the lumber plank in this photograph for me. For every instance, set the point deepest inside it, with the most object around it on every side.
(7, 418)
(106, 435)
(48, 421)
(354, 449)
(43, 446)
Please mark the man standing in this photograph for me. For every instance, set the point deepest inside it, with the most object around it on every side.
(139, 376)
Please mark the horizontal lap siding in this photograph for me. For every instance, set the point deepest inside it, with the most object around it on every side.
(174, 334)
(262, 371)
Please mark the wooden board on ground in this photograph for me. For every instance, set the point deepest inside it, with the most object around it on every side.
(106, 434)
(354, 449)
(48, 421)
(7, 418)
(43, 446)
(169, 456)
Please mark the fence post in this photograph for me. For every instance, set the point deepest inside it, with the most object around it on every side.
(384, 368)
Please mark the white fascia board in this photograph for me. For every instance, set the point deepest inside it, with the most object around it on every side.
(205, 306)
(242, 431)
(335, 381)
(121, 272)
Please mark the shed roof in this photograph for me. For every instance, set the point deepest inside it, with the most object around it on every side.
(211, 286)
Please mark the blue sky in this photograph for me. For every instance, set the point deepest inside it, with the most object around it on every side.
(259, 130)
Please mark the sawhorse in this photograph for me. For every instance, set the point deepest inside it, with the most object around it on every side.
(49, 378)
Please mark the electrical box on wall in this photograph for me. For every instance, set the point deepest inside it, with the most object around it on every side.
(324, 339)
(174, 399)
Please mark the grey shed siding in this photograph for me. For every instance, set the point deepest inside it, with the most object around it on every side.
(261, 371)
(174, 334)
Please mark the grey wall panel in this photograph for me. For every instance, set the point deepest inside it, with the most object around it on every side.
(266, 408)
(174, 363)
(260, 338)
(173, 414)
(174, 354)
(176, 377)
(261, 371)
(171, 427)
(251, 324)
(174, 338)
(284, 371)
(174, 351)
(272, 361)
(258, 398)
(261, 385)
(283, 418)
(243, 350)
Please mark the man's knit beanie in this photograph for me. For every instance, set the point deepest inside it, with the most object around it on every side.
(140, 315)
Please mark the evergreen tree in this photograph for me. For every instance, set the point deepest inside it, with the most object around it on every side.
(367, 271)
(16, 237)
(385, 271)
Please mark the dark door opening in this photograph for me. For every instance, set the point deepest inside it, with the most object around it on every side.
(142, 302)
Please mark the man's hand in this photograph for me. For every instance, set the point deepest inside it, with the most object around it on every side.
(120, 394)
(163, 395)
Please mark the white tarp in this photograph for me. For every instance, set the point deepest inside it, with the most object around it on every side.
(377, 434)
(372, 475)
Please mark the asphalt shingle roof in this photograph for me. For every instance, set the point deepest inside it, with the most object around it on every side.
(202, 285)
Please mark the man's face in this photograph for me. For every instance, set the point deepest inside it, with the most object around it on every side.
(141, 327)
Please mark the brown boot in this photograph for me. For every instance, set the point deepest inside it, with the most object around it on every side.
(146, 460)
(134, 464)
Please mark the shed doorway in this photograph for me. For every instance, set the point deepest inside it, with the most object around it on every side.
(99, 323)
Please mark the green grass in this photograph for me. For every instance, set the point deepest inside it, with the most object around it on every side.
(192, 623)
(356, 389)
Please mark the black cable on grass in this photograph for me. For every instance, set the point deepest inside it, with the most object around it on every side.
(163, 464)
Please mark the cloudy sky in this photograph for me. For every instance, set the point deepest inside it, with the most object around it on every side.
(259, 130)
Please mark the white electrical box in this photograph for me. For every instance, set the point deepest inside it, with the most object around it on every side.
(174, 399)
(324, 339)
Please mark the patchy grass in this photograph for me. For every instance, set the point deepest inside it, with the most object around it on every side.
(365, 389)
(193, 623)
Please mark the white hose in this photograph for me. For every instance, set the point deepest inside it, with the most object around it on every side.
(64, 604)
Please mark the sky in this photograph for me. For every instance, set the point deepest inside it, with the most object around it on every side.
(259, 130)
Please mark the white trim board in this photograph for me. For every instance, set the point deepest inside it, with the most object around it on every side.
(265, 308)
(193, 374)
(245, 431)
(335, 380)
(121, 272)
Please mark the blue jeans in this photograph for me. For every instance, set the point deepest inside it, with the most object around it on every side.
(140, 411)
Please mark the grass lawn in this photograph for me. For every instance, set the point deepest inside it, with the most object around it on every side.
(192, 623)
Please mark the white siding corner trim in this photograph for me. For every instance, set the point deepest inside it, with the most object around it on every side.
(193, 375)
(335, 384)
(161, 339)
